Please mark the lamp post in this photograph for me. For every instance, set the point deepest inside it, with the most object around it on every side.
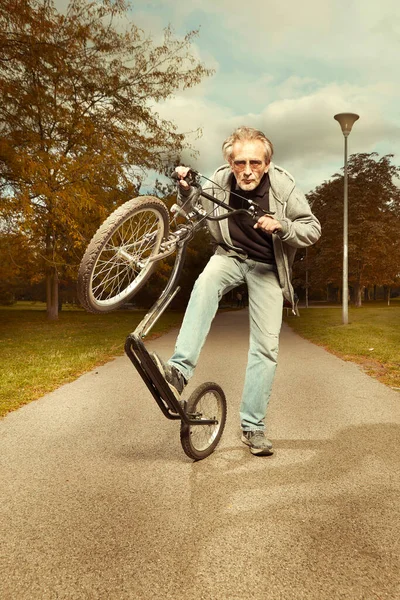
(346, 122)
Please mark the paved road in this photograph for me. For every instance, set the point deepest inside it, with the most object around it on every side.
(98, 500)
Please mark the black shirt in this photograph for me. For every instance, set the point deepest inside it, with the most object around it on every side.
(257, 243)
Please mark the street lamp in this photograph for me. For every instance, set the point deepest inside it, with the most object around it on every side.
(346, 122)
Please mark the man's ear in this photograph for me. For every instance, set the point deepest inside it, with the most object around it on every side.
(267, 168)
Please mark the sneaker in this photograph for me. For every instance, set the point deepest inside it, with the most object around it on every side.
(258, 442)
(171, 374)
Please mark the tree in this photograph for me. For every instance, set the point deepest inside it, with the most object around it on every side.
(78, 121)
(17, 265)
(374, 223)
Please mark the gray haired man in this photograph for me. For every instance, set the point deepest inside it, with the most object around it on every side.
(257, 254)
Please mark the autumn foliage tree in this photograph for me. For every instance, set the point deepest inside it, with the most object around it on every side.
(17, 264)
(78, 121)
(374, 225)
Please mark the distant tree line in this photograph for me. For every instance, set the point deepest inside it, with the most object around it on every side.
(374, 226)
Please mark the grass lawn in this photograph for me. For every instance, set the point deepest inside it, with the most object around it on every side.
(37, 356)
(371, 338)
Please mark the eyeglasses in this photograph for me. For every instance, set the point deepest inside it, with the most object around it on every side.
(240, 165)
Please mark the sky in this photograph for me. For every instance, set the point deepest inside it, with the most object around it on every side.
(287, 68)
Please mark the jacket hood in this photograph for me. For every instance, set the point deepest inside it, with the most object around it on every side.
(282, 182)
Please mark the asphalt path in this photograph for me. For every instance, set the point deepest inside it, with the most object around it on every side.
(98, 500)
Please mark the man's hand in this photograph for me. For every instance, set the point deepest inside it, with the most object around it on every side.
(182, 172)
(268, 224)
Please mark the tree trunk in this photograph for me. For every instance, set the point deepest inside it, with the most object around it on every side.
(358, 294)
(52, 294)
(388, 295)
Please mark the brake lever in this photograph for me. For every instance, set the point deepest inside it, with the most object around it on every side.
(258, 212)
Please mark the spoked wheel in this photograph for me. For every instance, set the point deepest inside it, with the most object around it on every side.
(206, 402)
(118, 260)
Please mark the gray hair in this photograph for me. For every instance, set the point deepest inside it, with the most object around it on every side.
(244, 134)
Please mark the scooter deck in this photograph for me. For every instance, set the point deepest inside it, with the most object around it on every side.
(158, 387)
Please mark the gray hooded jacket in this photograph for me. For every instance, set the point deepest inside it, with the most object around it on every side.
(289, 206)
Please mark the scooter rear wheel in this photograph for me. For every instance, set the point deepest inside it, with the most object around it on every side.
(206, 402)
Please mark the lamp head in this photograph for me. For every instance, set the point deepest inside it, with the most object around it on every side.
(346, 121)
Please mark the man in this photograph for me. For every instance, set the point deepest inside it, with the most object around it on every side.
(259, 254)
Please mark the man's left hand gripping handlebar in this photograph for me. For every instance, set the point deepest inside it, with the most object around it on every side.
(185, 176)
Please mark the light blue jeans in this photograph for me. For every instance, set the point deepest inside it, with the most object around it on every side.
(221, 274)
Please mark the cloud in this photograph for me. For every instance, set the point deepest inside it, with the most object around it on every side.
(287, 68)
(308, 141)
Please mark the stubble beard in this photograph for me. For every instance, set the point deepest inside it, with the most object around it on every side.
(247, 187)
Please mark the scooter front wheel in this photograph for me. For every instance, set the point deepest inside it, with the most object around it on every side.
(206, 402)
(122, 254)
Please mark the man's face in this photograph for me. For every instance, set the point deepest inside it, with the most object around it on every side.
(248, 163)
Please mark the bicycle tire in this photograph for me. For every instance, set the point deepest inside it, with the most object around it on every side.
(116, 262)
(207, 401)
